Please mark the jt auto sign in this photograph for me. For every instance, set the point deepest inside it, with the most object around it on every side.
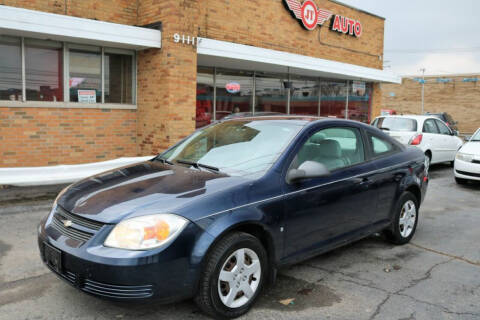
(311, 16)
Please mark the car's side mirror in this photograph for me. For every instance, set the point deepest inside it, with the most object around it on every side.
(467, 138)
(307, 170)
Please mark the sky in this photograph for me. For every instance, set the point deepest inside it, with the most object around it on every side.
(441, 36)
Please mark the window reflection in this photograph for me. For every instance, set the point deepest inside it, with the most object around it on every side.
(304, 97)
(43, 70)
(359, 101)
(204, 112)
(118, 78)
(271, 93)
(334, 98)
(85, 76)
(10, 69)
(234, 92)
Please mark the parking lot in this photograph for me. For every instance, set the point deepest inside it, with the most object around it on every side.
(436, 276)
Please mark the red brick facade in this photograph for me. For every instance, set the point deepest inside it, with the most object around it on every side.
(51, 136)
(166, 77)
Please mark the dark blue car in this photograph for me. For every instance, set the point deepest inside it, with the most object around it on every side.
(217, 214)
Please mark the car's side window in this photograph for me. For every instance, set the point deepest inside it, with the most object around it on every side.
(336, 148)
(443, 128)
(380, 146)
(430, 127)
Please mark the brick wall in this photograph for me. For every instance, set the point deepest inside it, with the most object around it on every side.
(50, 136)
(458, 98)
(167, 77)
(268, 24)
(117, 11)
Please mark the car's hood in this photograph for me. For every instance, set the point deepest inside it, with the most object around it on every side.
(471, 148)
(145, 188)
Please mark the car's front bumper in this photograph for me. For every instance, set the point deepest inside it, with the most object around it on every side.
(166, 275)
(467, 170)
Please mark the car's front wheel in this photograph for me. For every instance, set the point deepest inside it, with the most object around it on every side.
(405, 219)
(233, 276)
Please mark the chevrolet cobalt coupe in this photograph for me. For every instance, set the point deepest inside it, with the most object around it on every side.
(217, 214)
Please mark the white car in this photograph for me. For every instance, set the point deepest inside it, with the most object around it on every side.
(467, 161)
(429, 133)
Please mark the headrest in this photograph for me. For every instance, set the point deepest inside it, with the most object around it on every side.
(330, 148)
(317, 138)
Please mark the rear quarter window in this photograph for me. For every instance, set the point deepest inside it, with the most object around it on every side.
(396, 124)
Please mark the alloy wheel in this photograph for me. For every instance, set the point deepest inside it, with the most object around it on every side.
(408, 216)
(239, 278)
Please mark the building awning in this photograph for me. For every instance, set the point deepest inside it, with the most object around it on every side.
(43, 25)
(230, 55)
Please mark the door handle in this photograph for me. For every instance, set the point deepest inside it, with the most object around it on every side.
(362, 181)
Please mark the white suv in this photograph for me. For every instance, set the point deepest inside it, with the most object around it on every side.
(428, 133)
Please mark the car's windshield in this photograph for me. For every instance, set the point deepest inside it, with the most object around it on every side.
(476, 136)
(238, 148)
(396, 124)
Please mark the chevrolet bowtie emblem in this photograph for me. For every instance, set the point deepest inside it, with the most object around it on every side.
(67, 223)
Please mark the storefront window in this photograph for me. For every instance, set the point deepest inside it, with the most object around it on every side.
(333, 99)
(85, 81)
(359, 100)
(10, 69)
(234, 92)
(304, 97)
(271, 93)
(118, 78)
(204, 112)
(43, 70)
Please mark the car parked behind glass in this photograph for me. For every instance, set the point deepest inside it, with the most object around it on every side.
(214, 217)
(437, 141)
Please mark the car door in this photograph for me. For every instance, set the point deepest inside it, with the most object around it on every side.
(433, 140)
(384, 154)
(449, 141)
(324, 211)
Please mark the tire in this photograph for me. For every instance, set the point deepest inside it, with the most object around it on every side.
(461, 181)
(428, 162)
(403, 229)
(213, 293)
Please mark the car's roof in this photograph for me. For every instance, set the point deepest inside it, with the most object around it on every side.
(297, 118)
(410, 116)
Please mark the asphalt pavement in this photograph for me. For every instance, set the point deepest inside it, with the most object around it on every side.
(436, 276)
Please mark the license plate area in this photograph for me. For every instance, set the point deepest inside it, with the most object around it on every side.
(53, 258)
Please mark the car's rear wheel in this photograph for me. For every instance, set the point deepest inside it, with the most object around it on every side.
(461, 181)
(233, 276)
(405, 219)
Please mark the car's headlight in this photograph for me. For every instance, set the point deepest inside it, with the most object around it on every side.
(464, 157)
(146, 232)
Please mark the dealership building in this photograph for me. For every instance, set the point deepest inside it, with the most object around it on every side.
(85, 81)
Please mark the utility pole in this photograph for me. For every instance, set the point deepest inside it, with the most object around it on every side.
(423, 90)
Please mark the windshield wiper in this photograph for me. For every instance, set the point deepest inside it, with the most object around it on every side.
(383, 128)
(163, 160)
(198, 165)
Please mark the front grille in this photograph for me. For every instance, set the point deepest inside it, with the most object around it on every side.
(118, 292)
(90, 224)
(468, 173)
(72, 231)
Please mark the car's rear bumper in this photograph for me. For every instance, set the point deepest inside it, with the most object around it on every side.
(166, 276)
(467, 170)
